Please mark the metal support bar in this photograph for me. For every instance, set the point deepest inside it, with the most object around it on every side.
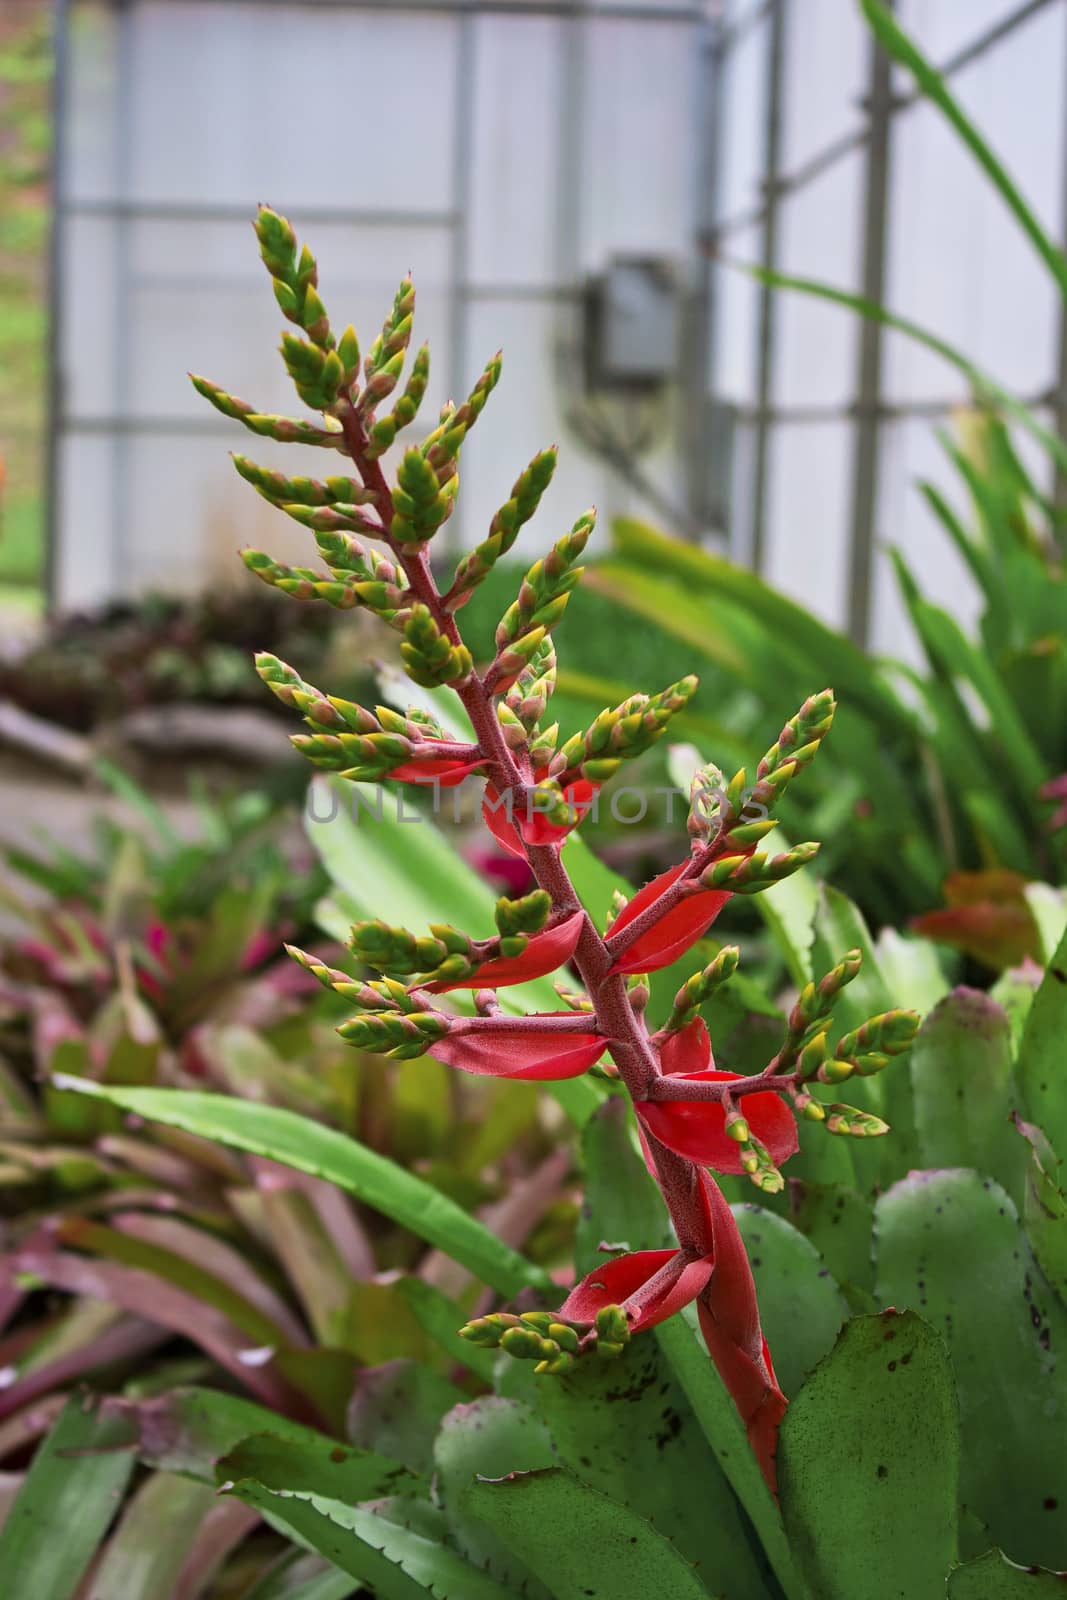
(459, 259)
(56, 398)
(618, 12)
(869, 374)
(768, 299)
(129, 210)
(698, 356)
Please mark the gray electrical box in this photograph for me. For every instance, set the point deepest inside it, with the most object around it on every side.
(633, 324)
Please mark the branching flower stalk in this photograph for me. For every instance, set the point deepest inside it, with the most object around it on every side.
(691, 1118)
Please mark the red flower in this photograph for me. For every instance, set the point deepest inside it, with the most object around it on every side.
(614, 1283)
(540, 1055)
(438, 767)
(525, 823)
(672, 935)
(696, 1129)
(546, 952)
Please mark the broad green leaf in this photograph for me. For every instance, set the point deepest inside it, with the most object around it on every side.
(949, 1244)
(994, 1577)
(687, 1357)
(963, 1092)
(580, 1543)
(489, 1438)
(1040, 1064)
(594, 882)
(801, 1306)
(145, 1553)
(911, 969)
(326, 1153)
(1049, 907)
(66, 1502)
(320, 1466)
(625, 1429)
(838, 1222)
(868, 1459)
(398, 1408)
(397, 1562)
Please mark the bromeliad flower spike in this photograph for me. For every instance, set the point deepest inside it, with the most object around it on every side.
(692, 1119)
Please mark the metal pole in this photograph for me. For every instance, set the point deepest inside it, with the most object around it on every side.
(120, 553)
(772, 155)
(56, 406)
(869, 373)
(699, 354)
(459, 263)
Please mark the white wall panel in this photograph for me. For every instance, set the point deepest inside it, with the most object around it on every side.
(742, 121)
(826, 64)
(819, 237)
(808, 515)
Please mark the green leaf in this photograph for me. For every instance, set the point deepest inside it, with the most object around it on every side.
(310, 1147)
(801, 1306)
(440, 1318)
(1045, 1208)
(580, 1543)
(868, 1449)
(66, 1502)
(1049, 907)
(488, 1439)
(1039, 1068)
(318, 1466)
(299, 1576)
(625, 1429)
(994, 1577)
(838, 1222)
(949, 1244)
(711, 1404)
(398, 1407)
(963, 1091)
(145, 1554)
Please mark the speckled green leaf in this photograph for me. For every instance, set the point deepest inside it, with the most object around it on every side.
(582, 1545)
(961, 1078)
(336, 1471)
(1045, 1208)
(801, 1305)
(838, 1222)
(868, 1459)
(993, 1577)
(396, 1408)
(949, 1244)
(625, 1428)
(488, 1438)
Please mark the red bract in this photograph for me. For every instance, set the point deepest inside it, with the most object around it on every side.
(532, 826)
(540, 1055)
(546, 952)
(614, 1283)
(440, 767)
(729, 1321)
(673, 934)
(696, 1129)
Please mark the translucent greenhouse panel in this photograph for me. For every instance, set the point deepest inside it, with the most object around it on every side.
(807, 524)
(911, 452)
(526, 413)
(226, 103)
(736, 301)
(826, 60)
(201, 301)
(89, 373)
(84, 574)
(819, 237)
(514, 150)
(943, 27)
(89, 145)
(637, 136)
(742, 116)
(958, 263)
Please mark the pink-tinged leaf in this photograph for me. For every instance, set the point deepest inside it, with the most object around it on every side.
(147, 1296)
(440, 768)
(987, 916)
(226, 1526)
(347, 1235)
(696, 1129)
(128, 1339)
(539, 1056)
(615, 1281)
(546, 952)
(529, 826)
(672, 934)
(687, 1051)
